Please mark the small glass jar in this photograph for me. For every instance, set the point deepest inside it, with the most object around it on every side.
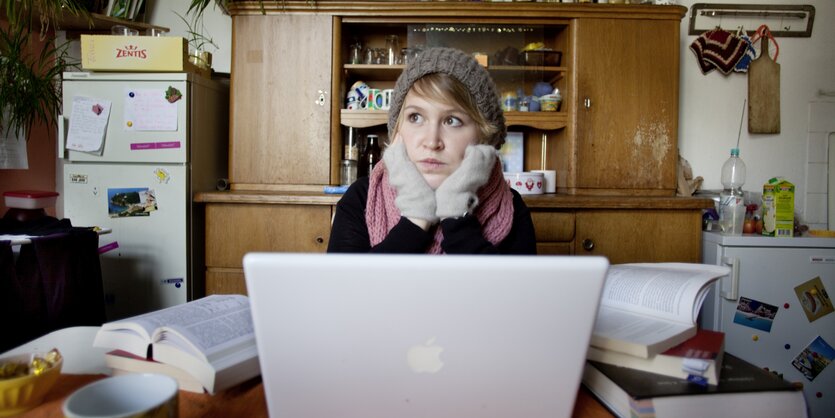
(348, 172)
(355, 54)
(392, 51)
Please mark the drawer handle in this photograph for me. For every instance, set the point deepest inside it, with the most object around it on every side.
(588, 244)
(319, 240)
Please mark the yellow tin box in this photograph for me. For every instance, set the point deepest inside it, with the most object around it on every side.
(133, 53)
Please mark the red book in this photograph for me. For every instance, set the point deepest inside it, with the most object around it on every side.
(698, 359)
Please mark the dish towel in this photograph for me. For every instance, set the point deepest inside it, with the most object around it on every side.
(718, 49)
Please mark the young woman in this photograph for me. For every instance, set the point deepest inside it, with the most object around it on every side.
(439, 188)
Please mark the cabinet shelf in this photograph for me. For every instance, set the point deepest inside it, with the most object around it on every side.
(539, 120)
(100, 23)
(383, 72)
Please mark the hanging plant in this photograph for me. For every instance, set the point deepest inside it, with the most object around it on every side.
(30, 80)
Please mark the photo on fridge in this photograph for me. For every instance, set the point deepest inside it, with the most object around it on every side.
(814, 299)
(126, 202)
(755, 314)
(814, 358)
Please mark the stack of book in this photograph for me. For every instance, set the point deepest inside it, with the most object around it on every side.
(648, 359)
(698, 360)
(206, 345)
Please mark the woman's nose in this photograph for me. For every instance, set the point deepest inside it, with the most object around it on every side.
(433, 139)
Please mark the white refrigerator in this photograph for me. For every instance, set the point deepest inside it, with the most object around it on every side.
(776, 308)
(162, 137)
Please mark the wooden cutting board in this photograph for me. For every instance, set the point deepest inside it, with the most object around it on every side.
(764, 93)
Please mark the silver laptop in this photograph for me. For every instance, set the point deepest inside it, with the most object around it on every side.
(422, 336)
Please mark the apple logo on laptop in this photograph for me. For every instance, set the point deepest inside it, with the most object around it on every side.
(425, 358)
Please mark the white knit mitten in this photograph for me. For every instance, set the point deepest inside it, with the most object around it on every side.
(415, 198)
(458, 194)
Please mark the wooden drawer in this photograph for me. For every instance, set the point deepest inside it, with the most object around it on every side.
(225, 281)
(553, 226)
(233, 230)
(631, 236)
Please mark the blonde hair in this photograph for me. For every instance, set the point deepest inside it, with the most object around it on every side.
(446, 89)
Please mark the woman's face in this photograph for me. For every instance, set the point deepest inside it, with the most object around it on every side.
(435, 135)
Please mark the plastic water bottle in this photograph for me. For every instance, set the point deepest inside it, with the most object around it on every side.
(731, 200)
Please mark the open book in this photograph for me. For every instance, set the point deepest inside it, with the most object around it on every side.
(211, 338)
(646, 309)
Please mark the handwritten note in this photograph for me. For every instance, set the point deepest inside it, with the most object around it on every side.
(148, 110)
(88, 124)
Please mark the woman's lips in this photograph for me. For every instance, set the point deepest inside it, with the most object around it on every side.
(431, 163)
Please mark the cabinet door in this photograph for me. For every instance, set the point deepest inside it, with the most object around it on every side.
(627, 75)
(633, 236)
(233, 230)
(280, 100)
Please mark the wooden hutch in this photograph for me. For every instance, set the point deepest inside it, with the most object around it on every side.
(613, 142)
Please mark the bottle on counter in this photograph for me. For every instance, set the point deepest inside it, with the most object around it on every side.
(371, 155)
(731, 200)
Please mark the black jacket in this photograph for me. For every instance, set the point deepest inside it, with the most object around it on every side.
(349, 233)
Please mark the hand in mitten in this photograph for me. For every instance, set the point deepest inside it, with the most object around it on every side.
(458, 194)
(415, 198)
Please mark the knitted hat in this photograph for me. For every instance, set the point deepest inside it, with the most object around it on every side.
(465, 69)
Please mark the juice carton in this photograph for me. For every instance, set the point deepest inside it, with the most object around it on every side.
(778, 208)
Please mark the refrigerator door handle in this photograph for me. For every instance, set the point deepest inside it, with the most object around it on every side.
(733, 292)
(62, 132)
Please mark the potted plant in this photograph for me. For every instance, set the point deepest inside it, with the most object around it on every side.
(30, 79)
(198, 42)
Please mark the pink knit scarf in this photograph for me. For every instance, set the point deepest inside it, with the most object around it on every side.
(494, 210)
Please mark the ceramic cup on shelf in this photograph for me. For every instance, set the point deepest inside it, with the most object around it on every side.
(550, 178)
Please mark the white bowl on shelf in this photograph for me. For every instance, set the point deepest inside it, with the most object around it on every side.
(526, 182)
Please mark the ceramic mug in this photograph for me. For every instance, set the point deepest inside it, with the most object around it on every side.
(375, 99)
(386, 98)
(357, 97)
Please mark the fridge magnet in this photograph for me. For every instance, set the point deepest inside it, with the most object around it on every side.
(129, 202)
(108, 247)
(814, 358)
(755, 314)
(172, 94)
(814, 299)
(162, 175)
(178, 282)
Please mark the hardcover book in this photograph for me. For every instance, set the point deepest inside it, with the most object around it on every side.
(211, 338)
(743, 389)
(698, 359)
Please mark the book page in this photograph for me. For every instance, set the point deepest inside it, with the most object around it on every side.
(673, 291)
(215, 308)
(206, 327)
(638, 329)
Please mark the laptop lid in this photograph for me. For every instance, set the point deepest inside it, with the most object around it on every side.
(366, 335)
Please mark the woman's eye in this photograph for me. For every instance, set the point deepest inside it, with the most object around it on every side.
(415, 117)
(453, 121)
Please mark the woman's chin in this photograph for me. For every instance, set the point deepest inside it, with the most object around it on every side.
(434, 180)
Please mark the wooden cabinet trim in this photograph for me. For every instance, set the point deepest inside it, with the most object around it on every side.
(520, 10)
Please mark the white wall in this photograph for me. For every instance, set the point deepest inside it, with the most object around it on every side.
(711, 105)
(218, 27)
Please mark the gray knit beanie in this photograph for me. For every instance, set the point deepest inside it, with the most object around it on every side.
(465, 69)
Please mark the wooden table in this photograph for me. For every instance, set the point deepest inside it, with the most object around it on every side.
(244, 400)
